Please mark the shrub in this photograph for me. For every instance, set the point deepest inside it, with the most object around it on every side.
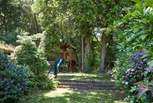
(44, 83)
(9, 37)
(27, 54)
(13, 80)
(138, 80)
(136, 72)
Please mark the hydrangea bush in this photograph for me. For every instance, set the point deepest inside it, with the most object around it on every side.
(135, 73)
(13, 80)
(138, 80)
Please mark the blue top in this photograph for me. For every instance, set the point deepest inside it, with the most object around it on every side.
(58, 62)
(56, 65)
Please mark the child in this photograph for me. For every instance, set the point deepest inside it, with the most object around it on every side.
(56, 66)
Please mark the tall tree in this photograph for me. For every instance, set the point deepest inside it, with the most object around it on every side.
(10, 14)
(107, 12)
(84, 13)
(63, 19)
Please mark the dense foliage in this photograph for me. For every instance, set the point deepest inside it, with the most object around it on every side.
(27, 53)
(104, 34)
(138, 79)
(14, 80)
(134, 33)
(135, 73)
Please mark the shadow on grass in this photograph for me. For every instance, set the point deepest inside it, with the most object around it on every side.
(74, 97)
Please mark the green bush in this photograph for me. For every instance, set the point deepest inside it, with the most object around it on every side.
(9, 37)
(133, 33)
(13, 80)
(44, 83)
(138, 80)
(27, 54)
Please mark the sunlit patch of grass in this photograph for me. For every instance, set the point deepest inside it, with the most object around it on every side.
(62, 95)
(119, 102)
(83, 76)
(70, 96)
(57, 92)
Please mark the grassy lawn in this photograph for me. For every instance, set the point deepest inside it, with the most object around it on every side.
(83, 76)
(70, 96)
(65, 95)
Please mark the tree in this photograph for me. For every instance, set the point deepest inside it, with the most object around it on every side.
(29, 18)
(9, 20)
(97, 14)
(70, 18)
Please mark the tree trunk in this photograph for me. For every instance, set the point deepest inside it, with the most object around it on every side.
(82, 53)
(103, 54)
(35, 24)
(85, 47)
(106, 54)
(86, 51)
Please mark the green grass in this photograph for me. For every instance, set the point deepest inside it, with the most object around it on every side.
(62, 95)
(83, 76)
(70, 96)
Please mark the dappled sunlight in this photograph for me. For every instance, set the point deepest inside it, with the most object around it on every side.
(76, 74)
(119, 102)
(76, 51)
(83, 76)
(57, 92)
(73, 96)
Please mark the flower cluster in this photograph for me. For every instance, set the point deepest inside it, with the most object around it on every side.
(135, 73)
(138, 59)
(138, 79)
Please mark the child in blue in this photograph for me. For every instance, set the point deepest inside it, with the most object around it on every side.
(56, 66)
